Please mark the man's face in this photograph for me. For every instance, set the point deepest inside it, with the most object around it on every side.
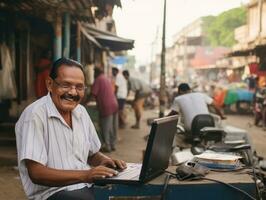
(67, 90)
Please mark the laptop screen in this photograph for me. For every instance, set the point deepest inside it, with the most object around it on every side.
(159, 147)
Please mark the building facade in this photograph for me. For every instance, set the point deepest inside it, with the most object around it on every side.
(31, 30)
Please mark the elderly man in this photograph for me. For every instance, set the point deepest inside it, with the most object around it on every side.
(58, 148)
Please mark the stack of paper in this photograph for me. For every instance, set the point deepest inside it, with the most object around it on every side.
(181, 156)
(216, 160)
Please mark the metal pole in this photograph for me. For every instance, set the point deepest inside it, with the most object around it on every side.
(162, 97)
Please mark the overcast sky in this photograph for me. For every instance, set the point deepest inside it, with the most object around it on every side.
(140, 20)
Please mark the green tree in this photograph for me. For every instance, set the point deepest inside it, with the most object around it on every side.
(219, 30)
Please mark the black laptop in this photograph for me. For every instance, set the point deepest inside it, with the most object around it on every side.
(156, 158)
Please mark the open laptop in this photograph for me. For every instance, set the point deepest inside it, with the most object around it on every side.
(156, 158)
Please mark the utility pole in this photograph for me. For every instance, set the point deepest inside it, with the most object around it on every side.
(162, 97)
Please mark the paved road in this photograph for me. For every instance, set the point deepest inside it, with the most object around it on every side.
(130, 148)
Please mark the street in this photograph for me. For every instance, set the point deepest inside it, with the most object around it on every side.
(130, 149)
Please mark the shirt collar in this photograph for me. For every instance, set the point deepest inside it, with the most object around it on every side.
(53, 112)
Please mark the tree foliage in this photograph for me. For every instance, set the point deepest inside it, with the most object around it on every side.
(219, 30)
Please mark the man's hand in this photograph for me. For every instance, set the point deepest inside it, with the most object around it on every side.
(114, 163)
(100, 159)
(218, 110)
(99, 172)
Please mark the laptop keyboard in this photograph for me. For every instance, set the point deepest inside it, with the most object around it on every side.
(132, 171)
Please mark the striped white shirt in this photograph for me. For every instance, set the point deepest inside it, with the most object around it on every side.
(43, 136)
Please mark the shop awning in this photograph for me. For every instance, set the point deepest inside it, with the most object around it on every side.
(108, 40)
(90, 37)
(242, 52)
(248, 48)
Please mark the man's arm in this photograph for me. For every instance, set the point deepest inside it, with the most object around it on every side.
(210, 101)
(43, 175)
(218, 110)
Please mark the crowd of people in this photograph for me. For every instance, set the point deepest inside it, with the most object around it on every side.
(111, 96)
